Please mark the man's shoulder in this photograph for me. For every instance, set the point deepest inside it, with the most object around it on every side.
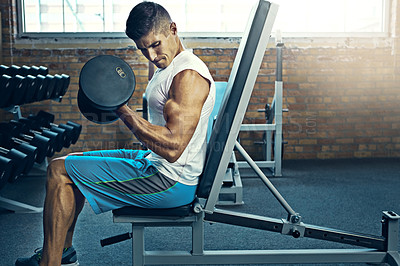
(188, 60)
(188, 57)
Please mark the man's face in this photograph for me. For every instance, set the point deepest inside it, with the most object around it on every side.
(158, 48)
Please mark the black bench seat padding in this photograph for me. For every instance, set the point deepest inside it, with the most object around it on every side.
(182, 211)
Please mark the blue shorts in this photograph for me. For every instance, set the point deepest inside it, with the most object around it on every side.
(113, 179)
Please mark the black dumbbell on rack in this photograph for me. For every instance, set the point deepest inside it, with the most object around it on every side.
(6, 169)
(5, 90)
(30, 150)
(53, 133)
(17, 90)
(21, 85)
(73, 129)
(23, 70)
(14, 133)
(27, 132)
(20, 161)
(32, 86)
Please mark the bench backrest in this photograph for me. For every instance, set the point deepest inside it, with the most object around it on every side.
(234, 104)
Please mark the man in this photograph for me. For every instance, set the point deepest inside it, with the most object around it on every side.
(180, 99)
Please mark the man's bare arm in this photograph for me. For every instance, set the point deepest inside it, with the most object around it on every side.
(182, 112)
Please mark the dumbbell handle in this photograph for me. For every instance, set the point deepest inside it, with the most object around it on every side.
(4, 150)
(18, 141)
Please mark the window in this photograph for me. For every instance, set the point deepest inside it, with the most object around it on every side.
(204, 17)
(74, 15)
(330, 17)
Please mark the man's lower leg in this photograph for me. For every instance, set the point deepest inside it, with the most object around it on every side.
(59, 213)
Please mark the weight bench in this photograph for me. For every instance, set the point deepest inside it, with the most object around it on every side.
(378, 249)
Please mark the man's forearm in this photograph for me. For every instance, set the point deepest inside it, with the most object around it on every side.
(157, 138)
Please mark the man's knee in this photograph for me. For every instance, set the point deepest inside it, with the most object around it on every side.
(56, 171)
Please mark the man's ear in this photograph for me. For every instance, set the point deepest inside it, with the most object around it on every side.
(173, 28)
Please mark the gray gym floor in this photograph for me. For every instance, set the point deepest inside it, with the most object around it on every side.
(341, 194)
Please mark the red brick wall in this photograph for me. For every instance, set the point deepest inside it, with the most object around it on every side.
(342, 97)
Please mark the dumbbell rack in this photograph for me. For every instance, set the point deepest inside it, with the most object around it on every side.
(12, 205)
(272, 128)
(36, 85)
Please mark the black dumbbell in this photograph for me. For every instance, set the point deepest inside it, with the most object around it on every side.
(18, 88)
(105, 83)
(73, 129)
(5, 90)
(41, 88)
(13, 70)
(36, 126)
(3, 70)
(66, 82)
(25, 126)
(47, 122)
(77, 131)
(32, 84)
(51, 82)
(41, 70)
(20, 161)
(44, 125)
(14, 132)
(24, 70)
(6, 169)
(29, 150)
(58, 86)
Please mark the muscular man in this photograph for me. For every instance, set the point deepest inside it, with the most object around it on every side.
(180, 99)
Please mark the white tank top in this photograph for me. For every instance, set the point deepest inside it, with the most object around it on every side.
(190, 164)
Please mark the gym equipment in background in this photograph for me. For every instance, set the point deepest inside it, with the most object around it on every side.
(23, 85)
(25, 142)
(272, 141)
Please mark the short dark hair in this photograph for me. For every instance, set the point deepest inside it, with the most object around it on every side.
(146, 17)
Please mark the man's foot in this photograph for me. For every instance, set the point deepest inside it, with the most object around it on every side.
(69, 258)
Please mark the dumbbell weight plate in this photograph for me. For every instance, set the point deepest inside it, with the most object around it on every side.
(14, 70)
(56, 140)
(18, 87)
(20, 160)
(52, 136)
(5, 89)
(49, 117)
(69, 130)
(66, 82)
(77, 130)
(41, 88)
(58, 86)
(50, 86)
(41, 70)
(24, 70)
(3, 70)
(43, 121)
(105, 83)
(6, 166)
(42, 143)
(19, 135)
(94, 114)
(32, 85)
(29, 150)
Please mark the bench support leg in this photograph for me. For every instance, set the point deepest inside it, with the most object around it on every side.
(137, 245)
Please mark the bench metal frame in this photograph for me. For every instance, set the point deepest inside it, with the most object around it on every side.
(376, 249)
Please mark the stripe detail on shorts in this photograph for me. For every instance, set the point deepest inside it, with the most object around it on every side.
(149, 185)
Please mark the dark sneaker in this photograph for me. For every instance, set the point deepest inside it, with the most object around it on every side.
(69, 258)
